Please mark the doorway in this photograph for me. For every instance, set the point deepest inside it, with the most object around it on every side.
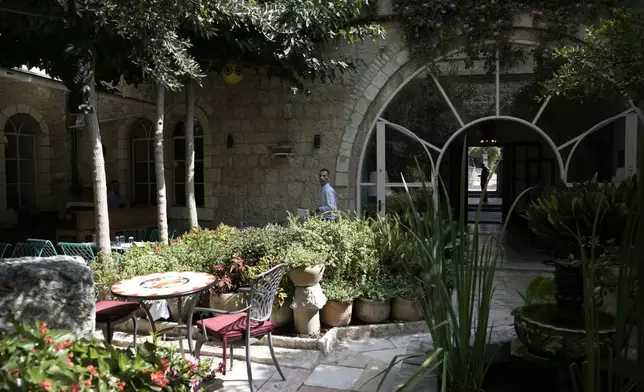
(485, 162)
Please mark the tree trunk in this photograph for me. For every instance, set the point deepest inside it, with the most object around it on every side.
(101, 211)
(190, 154)
(162, 202)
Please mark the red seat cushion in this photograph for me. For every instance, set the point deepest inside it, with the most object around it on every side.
(232, 327)
(108, 311)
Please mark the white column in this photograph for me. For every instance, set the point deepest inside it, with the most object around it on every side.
(630, 145)
(381, 168)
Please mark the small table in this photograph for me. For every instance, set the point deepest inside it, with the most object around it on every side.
(164, 285)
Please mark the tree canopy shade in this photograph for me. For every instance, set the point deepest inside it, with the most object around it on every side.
(611, 59)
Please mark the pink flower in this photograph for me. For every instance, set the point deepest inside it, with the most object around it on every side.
(194, 363)
(194, 382)
(43, 328)
(46, 384)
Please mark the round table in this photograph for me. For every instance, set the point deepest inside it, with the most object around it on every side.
(163, 285)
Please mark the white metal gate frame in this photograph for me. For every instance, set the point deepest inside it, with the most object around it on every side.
(632, 115)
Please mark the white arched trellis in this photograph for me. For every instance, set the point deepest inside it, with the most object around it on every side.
(557, 150)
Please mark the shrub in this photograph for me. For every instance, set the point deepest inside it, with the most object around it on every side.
(286, 288)
(341, 291)
(37, 359)
(299, 256)
(379, 288)
(230, 277)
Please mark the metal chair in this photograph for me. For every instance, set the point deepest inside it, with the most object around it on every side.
(245, 326)
(153, 235)
(110, 313)
(137, 234)
(76, 249)
(48, 249)
(27, 249)
(5, 250)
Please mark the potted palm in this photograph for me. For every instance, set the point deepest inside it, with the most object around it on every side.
(307, 265)
(404, 306)
(338, 309)
(374, 305)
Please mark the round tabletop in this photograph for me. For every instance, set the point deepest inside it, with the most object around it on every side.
(163, 285)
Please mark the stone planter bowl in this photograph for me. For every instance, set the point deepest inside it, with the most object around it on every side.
(306, 277)
(372, 312)
(405, 310)
(336, 314)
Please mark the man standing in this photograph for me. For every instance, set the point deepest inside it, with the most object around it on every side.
(485, 174)
(327, 195)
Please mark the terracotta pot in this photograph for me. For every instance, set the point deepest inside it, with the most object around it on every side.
(282, 315)
(370, 311)
(405, 310)
(228, 302)
(336, 314)
(306, 277)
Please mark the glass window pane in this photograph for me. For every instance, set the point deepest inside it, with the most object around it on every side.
(151, 150)
(405, 156)
(199, 148)
(153, 194)
(368, 201)
(153, 173)
(12, 171)
(139, 150)
(179, 149)
(13, 200)
(179, 195)
(199, 172)
(179, 172)
(27, 171)
(398, 199)
(199, 195)
(26, 147)
(27, 194)
(141, 173)
(11, 150)
(141, 194)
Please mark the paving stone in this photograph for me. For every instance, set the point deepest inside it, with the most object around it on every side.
(238, 376)
(387, 356)
(368, 345)
(294, 379)
(374, 372)
(306, 388)
(403, 340)
(338, 377)
(346, 357)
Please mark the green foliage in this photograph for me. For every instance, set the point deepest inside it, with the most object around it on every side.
(403, 288)
(341, 290)
(378, 288)
(35, 359)
(299, 256)
(286, 289)
(540, 291)
(564, 215)
(610, 59)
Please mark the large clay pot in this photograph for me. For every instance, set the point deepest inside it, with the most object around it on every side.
(569, 282)
(228, 302)
(372, 312)
(282, 315)
(306, 277)
(405, 310)
(336, 314)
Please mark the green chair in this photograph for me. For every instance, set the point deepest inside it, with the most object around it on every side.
(5, 250)
(137, 234)
(75, 249)
(153, 235)
(48, 249)
(27, 249)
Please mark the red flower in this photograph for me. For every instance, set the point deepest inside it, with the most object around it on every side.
(67, 343)
(75, 388)
(43, 328)
(87, 382)
(159, 378)
(120, 385)
(91, 369)
(16, 373)
(158, 250)
(164, 364)
(46, 384)
(49, 340)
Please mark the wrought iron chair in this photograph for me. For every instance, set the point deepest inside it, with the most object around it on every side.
(48, 249)
(5, 250)
(27, 249)
(110, 313)
(153, 235)
(75, 249)
(245, 326)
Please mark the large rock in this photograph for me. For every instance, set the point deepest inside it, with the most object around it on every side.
(58, 290)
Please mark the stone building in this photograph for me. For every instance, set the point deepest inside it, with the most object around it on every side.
(239, 179)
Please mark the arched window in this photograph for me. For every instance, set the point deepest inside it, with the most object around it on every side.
(179, 150)
(144, 176)
(21, 132)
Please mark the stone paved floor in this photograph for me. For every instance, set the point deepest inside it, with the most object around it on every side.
(357, 365)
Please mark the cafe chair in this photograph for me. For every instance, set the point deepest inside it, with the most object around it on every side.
(77, 249)
(5, 250)
(48, 249)
(27, 249)
(110, 313)
(245, 326)
(153, 235)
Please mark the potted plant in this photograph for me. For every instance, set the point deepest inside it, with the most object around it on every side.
(340, 295)
(374, 306)
(230, 278)
(404, 306)
(307, 265)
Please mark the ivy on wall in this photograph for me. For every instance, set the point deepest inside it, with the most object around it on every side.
(432, 28)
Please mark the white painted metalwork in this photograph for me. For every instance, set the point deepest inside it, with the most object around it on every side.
(142, 155)
(498, 83)
(446, 98)
(541, 109)
(631, 144)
